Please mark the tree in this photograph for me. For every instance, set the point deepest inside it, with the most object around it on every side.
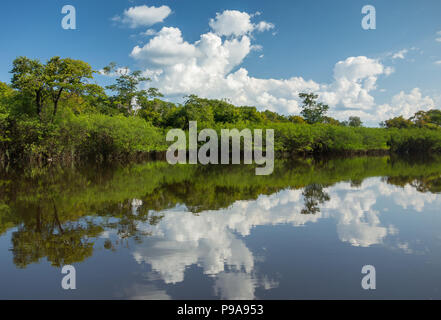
(397, 122)
(354, 122)
(273, 116)
(28, 76)
(225, 112)
(50, 80)
(296, 119)
(156, 111)
(313, 112)
(6, 93)
(435, 116)
(331, 121)
(66, 75)
(194, 109)
(126, 87)
(250, 114)
(428, 119)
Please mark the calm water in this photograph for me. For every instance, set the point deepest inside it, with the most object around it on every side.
(154, 231)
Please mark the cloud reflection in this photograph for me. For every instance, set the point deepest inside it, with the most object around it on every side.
(215, 240)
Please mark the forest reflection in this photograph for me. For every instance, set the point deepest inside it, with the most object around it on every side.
(59, 213)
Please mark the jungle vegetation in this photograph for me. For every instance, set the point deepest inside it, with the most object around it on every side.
(55, 112)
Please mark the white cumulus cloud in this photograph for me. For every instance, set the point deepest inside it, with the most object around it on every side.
(406, 104)
(143, 15)
(211, 67)
(236, 23)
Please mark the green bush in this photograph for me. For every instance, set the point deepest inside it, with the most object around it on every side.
(77, 137)
(103, 136)
(415, 140)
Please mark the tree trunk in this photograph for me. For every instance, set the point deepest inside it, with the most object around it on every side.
(57, 220)
(38, 102)
(38, 224)
(56, 99)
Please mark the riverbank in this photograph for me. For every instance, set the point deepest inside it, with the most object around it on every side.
(100, 138)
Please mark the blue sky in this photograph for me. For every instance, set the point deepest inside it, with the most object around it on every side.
(310, 45)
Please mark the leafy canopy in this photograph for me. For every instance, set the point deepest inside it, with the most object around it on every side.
(313, 111)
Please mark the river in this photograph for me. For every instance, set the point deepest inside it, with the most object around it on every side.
(157, 231)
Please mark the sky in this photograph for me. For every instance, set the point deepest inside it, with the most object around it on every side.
(253, 52)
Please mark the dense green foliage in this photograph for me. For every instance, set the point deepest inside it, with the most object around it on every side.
(422, 119)
(313, 111)
(53, 112)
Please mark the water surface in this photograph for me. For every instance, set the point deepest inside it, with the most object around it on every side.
(155, 231)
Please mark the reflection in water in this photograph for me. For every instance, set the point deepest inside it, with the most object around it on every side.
(210, 240)
(314, 196)
(174, 218)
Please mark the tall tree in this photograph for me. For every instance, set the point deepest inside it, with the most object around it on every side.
(427, 119)
(28, 76)
(50, 80)
(66, 75)
(313, 111)
(354, 122)
(127, 85)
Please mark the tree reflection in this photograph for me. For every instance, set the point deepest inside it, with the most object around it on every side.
(62, 242)
(131, 214)
(46, 236)
(59, 213)
(314, 196)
